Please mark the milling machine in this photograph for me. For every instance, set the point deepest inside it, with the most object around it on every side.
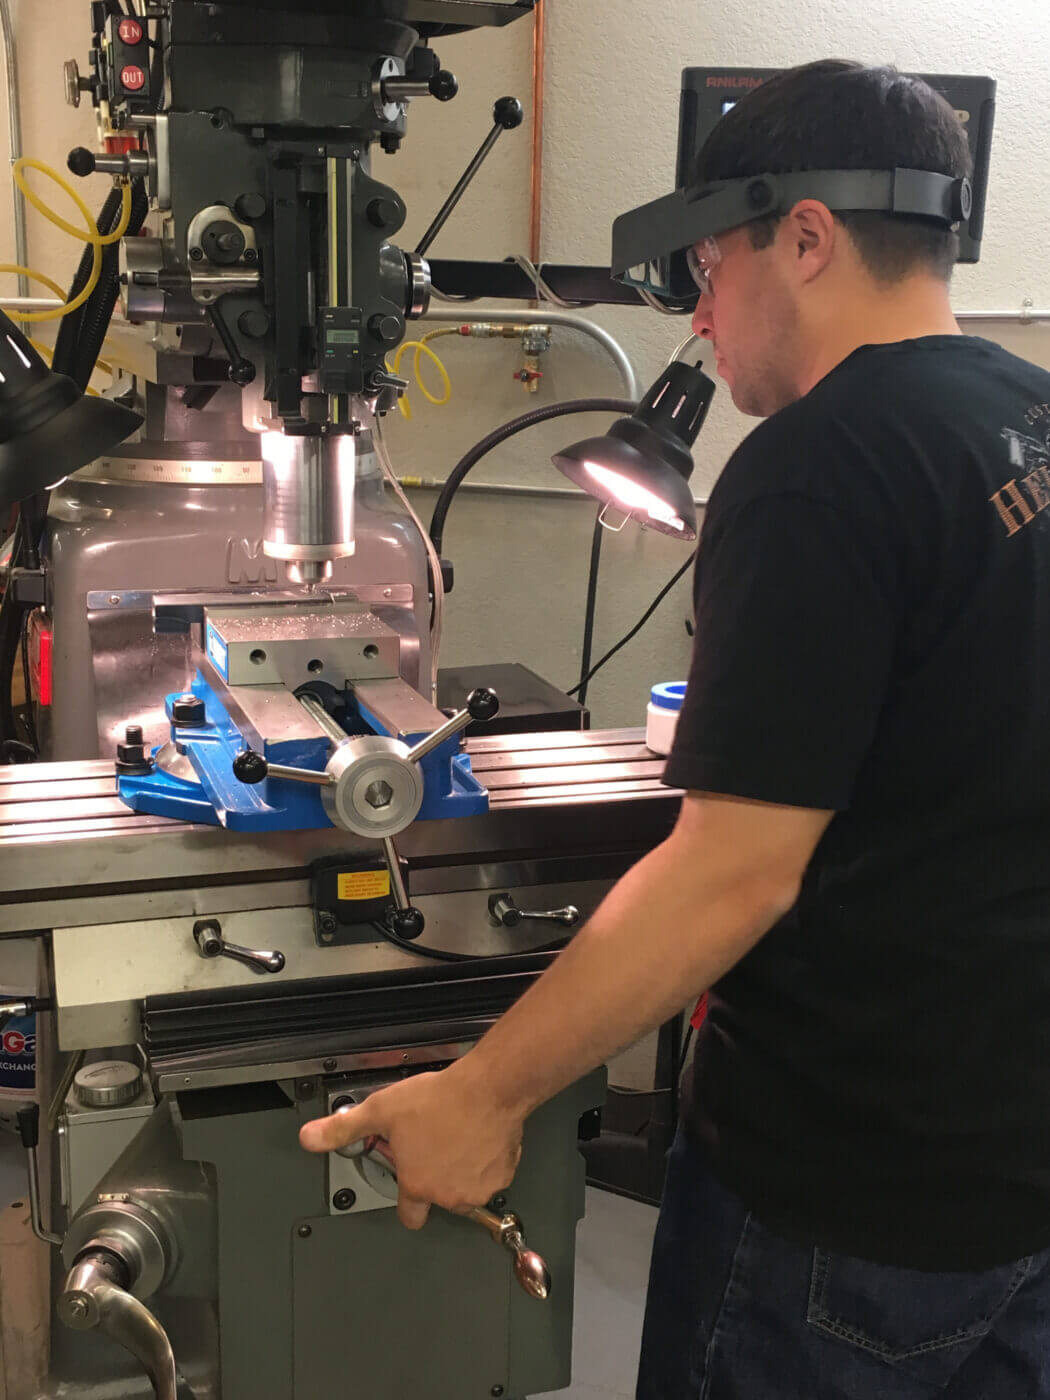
(240, 613)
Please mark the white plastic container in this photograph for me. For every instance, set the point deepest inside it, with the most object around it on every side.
(661, 716)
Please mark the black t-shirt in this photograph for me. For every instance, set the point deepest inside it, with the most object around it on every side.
(873, 637)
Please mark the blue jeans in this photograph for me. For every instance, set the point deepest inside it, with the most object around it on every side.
(735, 1312)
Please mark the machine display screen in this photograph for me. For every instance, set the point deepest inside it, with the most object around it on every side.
(343, 337)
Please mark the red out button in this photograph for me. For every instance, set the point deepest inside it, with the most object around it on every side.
(130, 31)
(132, 77)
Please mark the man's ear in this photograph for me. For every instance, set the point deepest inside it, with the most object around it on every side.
(812, 234)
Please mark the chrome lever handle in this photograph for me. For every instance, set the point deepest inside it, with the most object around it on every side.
(207, 934)
(251, 767)
(405, 921)
(482, 704)
(504, 911)
(93, 1296)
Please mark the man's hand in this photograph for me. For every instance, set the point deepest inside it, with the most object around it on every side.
(450, 1145)
(675, 923)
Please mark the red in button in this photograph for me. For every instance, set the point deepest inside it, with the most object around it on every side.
(133, 77)
(130, 31)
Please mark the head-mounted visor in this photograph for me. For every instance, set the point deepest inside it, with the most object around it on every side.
(650, 243)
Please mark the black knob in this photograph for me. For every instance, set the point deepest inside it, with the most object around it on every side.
(508, 113)
(250, 206)
(81, 161)
(250, 767)
(386, 328)
(443, 85)
(29, 1125)
(240, 372)
(383, 213)
(483, 703)
(407, 923)
(253, 324)
(187, 709)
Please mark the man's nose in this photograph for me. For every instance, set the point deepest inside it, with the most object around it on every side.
(702, 324)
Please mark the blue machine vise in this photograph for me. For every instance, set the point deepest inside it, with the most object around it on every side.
(208, 737)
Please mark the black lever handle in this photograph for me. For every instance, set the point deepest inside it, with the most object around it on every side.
(28, 1119)
(506, 114)
(241, 371)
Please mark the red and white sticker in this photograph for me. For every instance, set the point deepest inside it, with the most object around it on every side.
(133, 77)
(130, 31)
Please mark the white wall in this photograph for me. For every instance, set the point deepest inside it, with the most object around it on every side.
(612, 78)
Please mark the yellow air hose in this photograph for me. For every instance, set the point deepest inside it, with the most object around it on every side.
(421, 348)
(89, 234)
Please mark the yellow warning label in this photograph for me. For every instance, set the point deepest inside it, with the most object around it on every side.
(363, 884)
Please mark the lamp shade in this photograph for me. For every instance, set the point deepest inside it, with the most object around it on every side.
(48, 428)
(643, 463)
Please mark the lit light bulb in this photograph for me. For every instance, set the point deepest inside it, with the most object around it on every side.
(632, 496)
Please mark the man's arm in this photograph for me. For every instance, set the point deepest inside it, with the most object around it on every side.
(675, 923)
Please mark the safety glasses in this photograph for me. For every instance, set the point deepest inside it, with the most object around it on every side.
(701, 259)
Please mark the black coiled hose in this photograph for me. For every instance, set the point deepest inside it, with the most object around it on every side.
(77, 348)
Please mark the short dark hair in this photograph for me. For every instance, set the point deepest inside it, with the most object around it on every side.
(837, 115)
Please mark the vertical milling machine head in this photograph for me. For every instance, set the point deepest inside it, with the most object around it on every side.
(253, 123)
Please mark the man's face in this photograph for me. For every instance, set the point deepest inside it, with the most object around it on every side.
(750, 316)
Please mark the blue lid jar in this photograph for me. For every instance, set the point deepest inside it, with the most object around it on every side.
(668, 695)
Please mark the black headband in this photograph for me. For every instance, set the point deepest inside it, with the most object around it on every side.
(646, 239)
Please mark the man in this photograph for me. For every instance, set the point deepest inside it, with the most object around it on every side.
(859, 1205)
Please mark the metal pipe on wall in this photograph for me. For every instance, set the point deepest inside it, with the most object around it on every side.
(565, 319)
(1028, 314)
(14, 122)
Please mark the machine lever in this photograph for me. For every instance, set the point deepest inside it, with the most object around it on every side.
(22, 1006)
(442, 85)
(404, 920)
(482, 704)
(207, 934)
(29, 1131)
(96, 1295)
(504, 911)
(506, 114)
(250, 767)
(240, 371)
(530, 1269)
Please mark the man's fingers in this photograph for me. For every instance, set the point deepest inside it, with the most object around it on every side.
(413, 1214)
(348, 1125)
